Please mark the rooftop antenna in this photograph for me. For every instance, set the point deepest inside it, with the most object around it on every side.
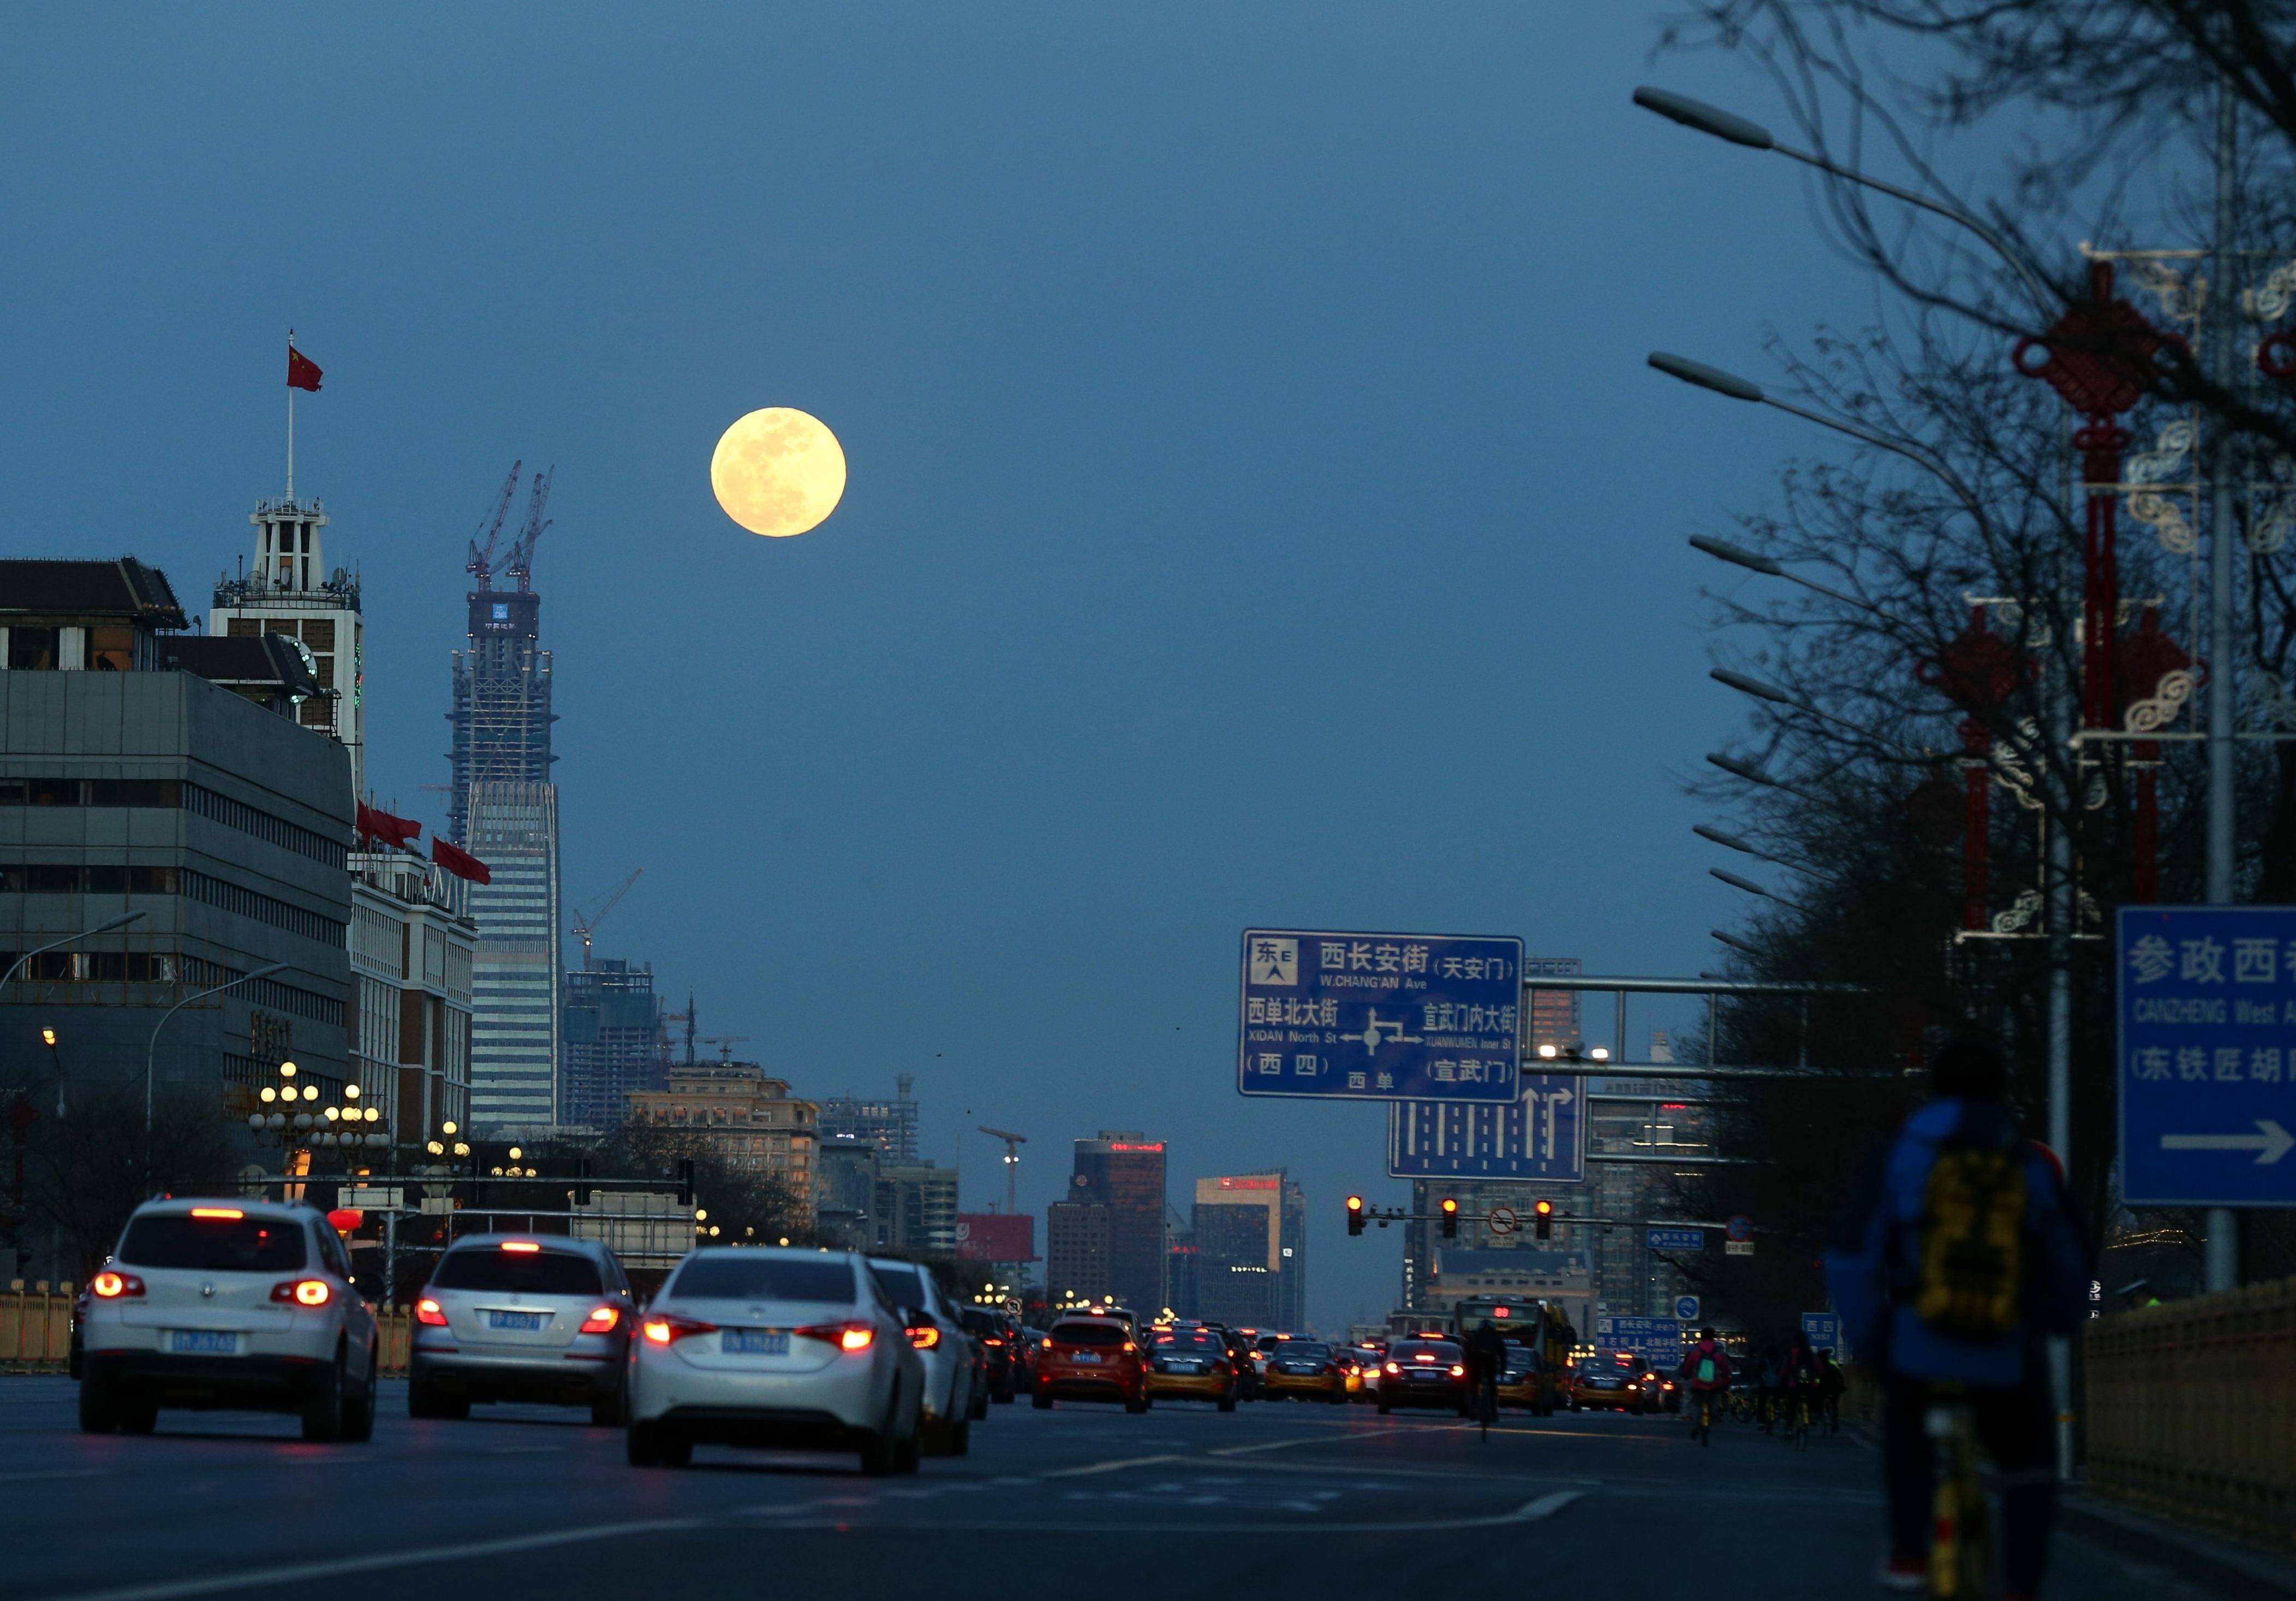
(482, 557)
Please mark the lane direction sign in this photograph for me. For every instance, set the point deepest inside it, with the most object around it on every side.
(1327, 1016)
(1541, 1136)
(2206, 1055)
(1658, 1341)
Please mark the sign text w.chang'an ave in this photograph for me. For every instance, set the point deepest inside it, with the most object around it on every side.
(1379, 1017)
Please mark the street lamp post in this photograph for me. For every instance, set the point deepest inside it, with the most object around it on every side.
(17, 964)
(152, 1051)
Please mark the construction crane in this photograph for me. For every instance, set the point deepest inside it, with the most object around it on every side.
(520, 562)
(1012, 1144)
(724, 1044)
(686, 1017)
(482, 557)
(584, 925)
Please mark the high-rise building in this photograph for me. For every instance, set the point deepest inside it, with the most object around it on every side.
(916, 1207)
(747, 1117)
(290, 593)
(892, 1123)
(609, 1044)
(513, 828)
(1123, 1170)
(845, 1192)
(501, 714)
(1076, 1253)
(1250, 1232)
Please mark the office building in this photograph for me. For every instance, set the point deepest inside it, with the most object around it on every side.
(290, 593)
(1250, 1233)
(411, 945)
(916, 1208)
(512, 826)
(845, 1192)
(1076, 1253)
(891, 1125)
(748, 1118)
(1124, 1172)
(501, 709)
(1563, 1277)
(131, 785)
(610, 1043)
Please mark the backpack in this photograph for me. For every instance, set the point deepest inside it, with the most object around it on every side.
(1971, 1243)
(1707, 1372)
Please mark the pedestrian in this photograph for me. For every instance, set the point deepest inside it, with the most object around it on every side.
(1957, 1257)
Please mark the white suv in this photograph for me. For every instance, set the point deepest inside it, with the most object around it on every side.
(940, 1338)
(228, 1304)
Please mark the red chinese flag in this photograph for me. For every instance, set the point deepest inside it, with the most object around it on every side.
(382, 825)
(302, 371)
(459, 862)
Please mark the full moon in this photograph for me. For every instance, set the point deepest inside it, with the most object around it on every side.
(778, 472)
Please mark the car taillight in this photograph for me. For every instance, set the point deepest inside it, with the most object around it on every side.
(1459, 1372)
(662, 1329)
(845, 1336)
(304, 1292)
(1393, 1368)
(601, 1319)
(992, 1341)
(110, 1286)
(429, 1311)
(924, 1336)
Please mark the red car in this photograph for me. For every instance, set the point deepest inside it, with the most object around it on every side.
(1091, 1359)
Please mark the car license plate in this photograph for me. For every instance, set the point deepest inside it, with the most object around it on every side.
(529, 1322)
(1418, 1372)
(1085, 1358)
(755, 1342)
(204, 1342)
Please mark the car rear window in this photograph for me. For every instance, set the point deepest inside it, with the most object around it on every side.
(1439, 1350)
(744, 1276)
(903, 1287)
(1190, 1342)
(1088, 1334)
(210, 1245)
(1304, 1350)
(527, 1272)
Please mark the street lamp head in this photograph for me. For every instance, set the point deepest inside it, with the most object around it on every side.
(1730, 841)
(1705, 119)
(48, 1036)
(286, 1070)
(1737, 769)
(447, 1127)
(1706, 377)
(1752, 686)
(1736, 555)
(1734, 943)
(1599, 1053)
(1735, 882)
(350, 1092)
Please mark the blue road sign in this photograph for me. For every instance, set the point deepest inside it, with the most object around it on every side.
(1542, 1136)
(1823, 1330)
(2208, 1055)
(1658, 1341)
(1676, 1239)
(1686, 1307)
(1740, 1229)
(1379, 1017)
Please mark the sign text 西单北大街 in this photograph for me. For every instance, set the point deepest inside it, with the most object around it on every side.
(1379, 1017)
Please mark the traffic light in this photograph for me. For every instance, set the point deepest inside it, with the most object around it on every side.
(1355, 1215)
(1544, 1224)
(1450, 1218)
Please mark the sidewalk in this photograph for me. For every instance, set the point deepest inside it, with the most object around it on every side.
(2198, 1556)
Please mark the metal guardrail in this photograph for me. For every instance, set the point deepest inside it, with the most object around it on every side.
(2192, 1410)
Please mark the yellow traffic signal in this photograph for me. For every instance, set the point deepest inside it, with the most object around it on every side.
(1450, 1218)
(1355, 1215)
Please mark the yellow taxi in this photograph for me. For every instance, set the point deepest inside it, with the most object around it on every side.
(1191, 1364)
(1306, 1368)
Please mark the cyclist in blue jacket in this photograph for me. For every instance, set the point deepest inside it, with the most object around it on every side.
(1959, 1256)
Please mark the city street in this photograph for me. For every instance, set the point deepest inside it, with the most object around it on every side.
(1274, 1500)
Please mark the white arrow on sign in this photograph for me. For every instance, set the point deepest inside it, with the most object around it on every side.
(2270, 1142)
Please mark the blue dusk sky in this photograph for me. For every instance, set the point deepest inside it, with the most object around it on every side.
(1259, 511)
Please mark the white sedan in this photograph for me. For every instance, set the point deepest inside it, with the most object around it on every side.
(773, 1348)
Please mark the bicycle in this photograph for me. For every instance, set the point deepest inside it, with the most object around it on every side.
(1796, 1409)
(1487, 1404)
(1702, 1422)
(1961, 1539)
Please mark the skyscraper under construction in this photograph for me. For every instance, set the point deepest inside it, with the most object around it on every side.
(503, 807)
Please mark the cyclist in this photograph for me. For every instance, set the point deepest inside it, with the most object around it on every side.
(1769, 1384)
(1831, 1383)
(1706, 1369)
(1959, 1254)
(1487, 1355)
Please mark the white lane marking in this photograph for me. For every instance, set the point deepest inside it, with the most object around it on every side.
(1529, 1512)
(1277, 1445)
(1121, 1463)
(54, 1473)
(253, 1579)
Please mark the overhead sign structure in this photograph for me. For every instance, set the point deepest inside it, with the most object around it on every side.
(1658, 1341)
(1676, 1239)
(1823, 1330)
(2208, 1055)
(1379, 1017)
(1541, 1136)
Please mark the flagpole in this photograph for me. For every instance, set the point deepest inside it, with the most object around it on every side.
(291, 418)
